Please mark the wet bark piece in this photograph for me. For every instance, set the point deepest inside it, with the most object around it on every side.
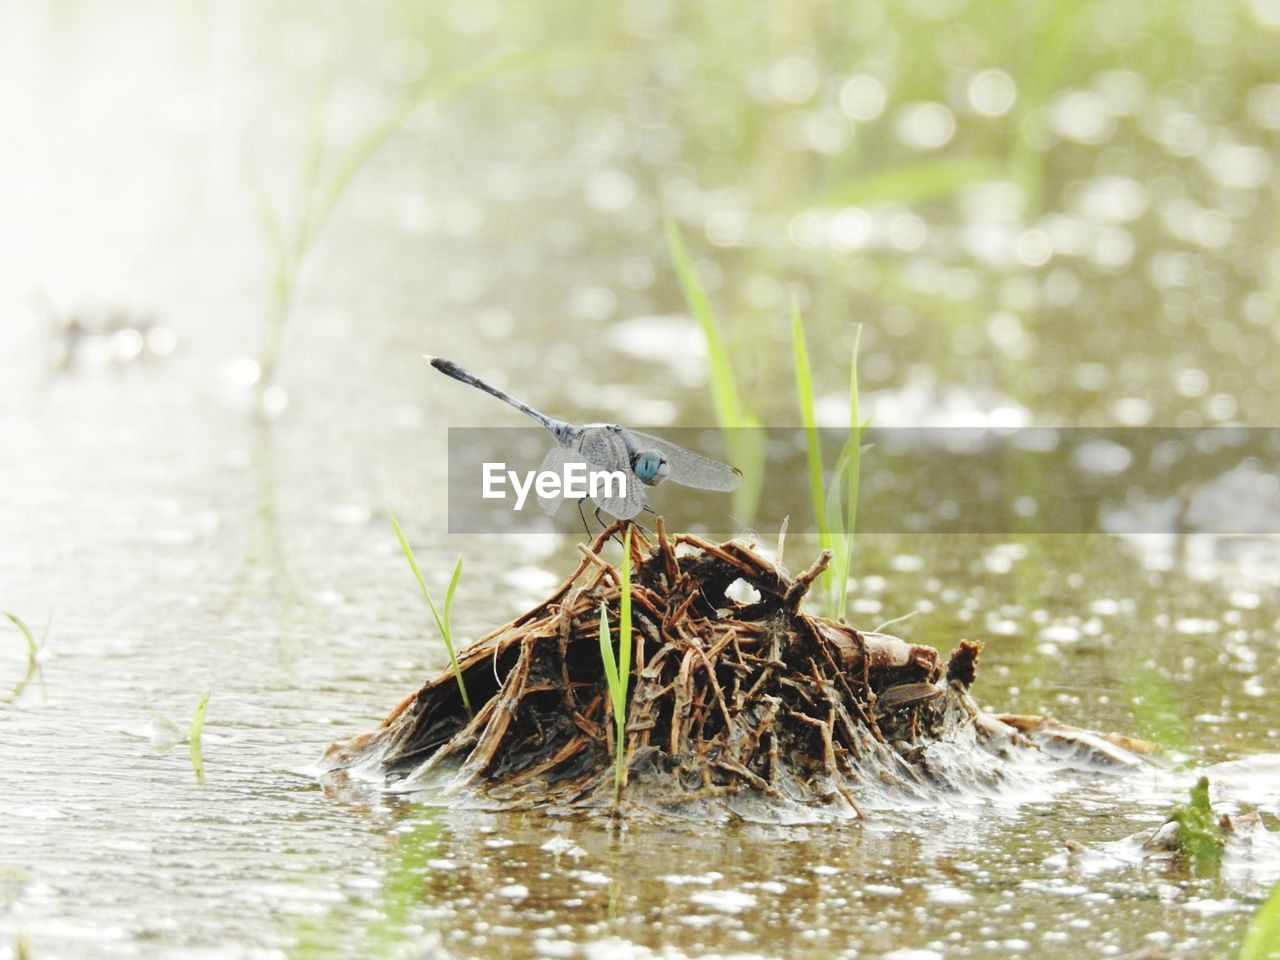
(962, 665)
(729, 703)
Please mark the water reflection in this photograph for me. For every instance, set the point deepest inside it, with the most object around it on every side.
(493, 885)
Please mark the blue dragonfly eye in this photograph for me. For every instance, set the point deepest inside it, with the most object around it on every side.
(650, 467)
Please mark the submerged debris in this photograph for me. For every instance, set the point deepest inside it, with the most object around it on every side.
(1201, 839)
(734, 703)
(113, 336)
(1200, 835)
(1222, 840)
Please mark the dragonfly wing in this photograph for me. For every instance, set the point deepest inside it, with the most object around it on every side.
(604, 449)
(688, 468)
(624, 504)
(554, 462)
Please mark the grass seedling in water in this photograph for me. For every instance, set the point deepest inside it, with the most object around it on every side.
(1262, 942)
(445, 623)
(292, 245)
(196, 738)
(742, 431)
(33, 655)
(835, 508)
(618, 674)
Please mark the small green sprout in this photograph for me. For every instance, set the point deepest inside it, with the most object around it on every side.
(445, 623)
(33, 656)
(618, 674)
(835, 508)
(196, 738)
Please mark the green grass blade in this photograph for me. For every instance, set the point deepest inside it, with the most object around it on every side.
(282, 281)
(855, 438)
(727, 399)
(33, 656)
(320, 196)
(196, 738)
(510, 63)
(911, 184)
(270, 222)
(853, 474)
(606, 653)
(837, 569)
(898, 619)
(417, 573)
(808, 416)
(32, 647)
(618, 674)
(747, 452)
(742, 429)
(624, 615)
(448, 635)
(834, 506)
(624, 659)
(368, 146)
(312, 167)
(448, 594)
(441, 622)
(1262, 942)
(1054, 44)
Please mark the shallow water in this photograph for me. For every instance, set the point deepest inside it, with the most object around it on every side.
(178, 544)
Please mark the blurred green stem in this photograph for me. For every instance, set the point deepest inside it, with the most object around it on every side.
(742, 430)
(835, 507)
(1262, 942)
(291, 249)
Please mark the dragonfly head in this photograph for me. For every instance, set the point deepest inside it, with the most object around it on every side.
(650, 467)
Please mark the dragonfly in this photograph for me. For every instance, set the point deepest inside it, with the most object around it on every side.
(607, 446)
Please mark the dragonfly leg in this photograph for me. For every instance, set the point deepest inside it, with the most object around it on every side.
(652, 512)
(585, 525)
(617, 534)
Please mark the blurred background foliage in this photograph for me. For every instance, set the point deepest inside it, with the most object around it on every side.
(1064, 208)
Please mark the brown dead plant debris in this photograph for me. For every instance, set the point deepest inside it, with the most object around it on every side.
(730, 701)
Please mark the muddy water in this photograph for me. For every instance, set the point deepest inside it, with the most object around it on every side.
(177, 544)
